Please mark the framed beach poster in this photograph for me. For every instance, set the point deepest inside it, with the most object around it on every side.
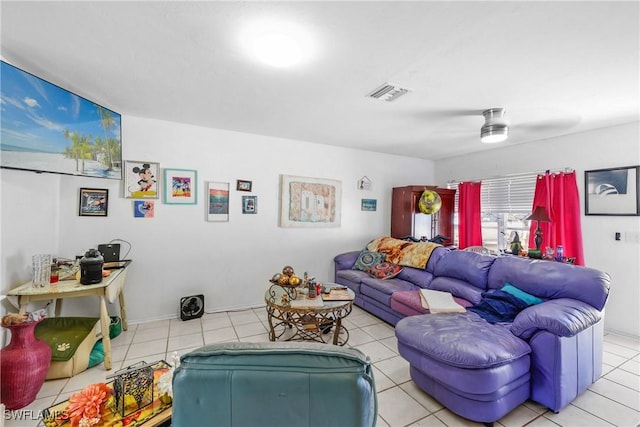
(217, 201)
(93, 202)
(141, 180)
(180, 186)
(309, 202)
(613, 191)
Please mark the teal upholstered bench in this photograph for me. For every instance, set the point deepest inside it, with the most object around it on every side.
(274, 384)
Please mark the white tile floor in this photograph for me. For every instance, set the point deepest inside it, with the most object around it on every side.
(612, 400)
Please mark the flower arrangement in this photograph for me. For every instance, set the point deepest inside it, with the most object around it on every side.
(95, 405)
(86, 407)
(164, 382)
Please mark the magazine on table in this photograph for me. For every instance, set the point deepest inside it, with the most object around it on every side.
(337, 293)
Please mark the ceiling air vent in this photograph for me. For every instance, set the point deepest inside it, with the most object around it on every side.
(387, 92)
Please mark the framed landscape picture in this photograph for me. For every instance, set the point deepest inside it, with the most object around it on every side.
(180, 186)
(368, 205)
(141, 180)
(217, 201)
(309, 202)
(612, 191)
(93, 202)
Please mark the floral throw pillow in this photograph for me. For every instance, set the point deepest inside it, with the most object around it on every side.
(384, 270)
(367, 259)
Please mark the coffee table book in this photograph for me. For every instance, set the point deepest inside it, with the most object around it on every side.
(337, 295)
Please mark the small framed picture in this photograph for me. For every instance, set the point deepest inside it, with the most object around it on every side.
(243, 185)
(141, 180)
(143, 208)
(180, 186)
(93, 202)
(369, 205)
(249, 204)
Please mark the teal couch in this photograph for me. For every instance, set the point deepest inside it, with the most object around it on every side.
(274, 384)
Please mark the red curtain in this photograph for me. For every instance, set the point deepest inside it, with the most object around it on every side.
(469, 216)
(558, 193)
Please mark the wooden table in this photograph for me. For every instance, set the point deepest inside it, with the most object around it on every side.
(107, 290)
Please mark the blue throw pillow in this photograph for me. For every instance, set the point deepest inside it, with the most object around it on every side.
(519, 293)
(368, 259)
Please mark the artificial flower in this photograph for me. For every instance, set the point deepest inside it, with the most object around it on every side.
(85, 407)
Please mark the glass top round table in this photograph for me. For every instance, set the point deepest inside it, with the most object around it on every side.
(293, 316)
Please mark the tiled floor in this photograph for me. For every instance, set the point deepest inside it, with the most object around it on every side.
(613, 400)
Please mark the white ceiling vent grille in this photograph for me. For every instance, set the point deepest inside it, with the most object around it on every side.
(387, 92)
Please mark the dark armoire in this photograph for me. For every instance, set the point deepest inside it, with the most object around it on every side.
(407, 220)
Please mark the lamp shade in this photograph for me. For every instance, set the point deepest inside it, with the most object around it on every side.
(539, 214)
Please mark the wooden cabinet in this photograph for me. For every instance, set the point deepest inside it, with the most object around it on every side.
(407, 220)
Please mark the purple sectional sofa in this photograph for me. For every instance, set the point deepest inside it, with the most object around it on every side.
(549, 352)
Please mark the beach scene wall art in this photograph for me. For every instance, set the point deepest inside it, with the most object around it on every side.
(218, 201)
(46, 128)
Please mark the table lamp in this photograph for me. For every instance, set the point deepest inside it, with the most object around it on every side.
(539, 214)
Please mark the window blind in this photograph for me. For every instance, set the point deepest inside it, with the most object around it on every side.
(507, 194)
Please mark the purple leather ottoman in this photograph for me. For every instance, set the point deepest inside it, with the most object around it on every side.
(475, 369)
(409, 303)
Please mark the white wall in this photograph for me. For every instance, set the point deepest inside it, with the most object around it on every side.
(178, 253)
(604, 148)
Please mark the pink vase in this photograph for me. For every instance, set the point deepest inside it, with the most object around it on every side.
(24, 364)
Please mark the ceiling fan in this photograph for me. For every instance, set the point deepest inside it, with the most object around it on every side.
(518, 125)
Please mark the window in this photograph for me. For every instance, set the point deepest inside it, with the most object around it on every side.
(505, 203)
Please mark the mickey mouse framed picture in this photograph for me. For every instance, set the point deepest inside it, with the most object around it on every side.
(141, 180)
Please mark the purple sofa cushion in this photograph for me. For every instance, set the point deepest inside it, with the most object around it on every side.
(352, 275)
(562, 317)
(420, 278)
(461, 339)
(471, 267)
(435, 257)
(382, 289)
(457, 288)
(478, 385)
(350, 278)
(551, 280)
(346, 260)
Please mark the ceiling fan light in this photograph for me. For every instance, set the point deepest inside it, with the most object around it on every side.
(494, 129)
(492, 133)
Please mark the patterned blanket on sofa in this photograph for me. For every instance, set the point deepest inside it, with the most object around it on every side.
(401, 252)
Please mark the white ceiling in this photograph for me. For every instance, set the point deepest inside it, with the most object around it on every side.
(557, 67)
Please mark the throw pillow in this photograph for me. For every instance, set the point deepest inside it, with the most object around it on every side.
(519, 293)
(367, 259)
(384, 270)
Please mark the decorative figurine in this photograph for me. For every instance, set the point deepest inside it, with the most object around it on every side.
(516, 246)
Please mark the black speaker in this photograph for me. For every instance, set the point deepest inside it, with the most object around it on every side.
(191, 307)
